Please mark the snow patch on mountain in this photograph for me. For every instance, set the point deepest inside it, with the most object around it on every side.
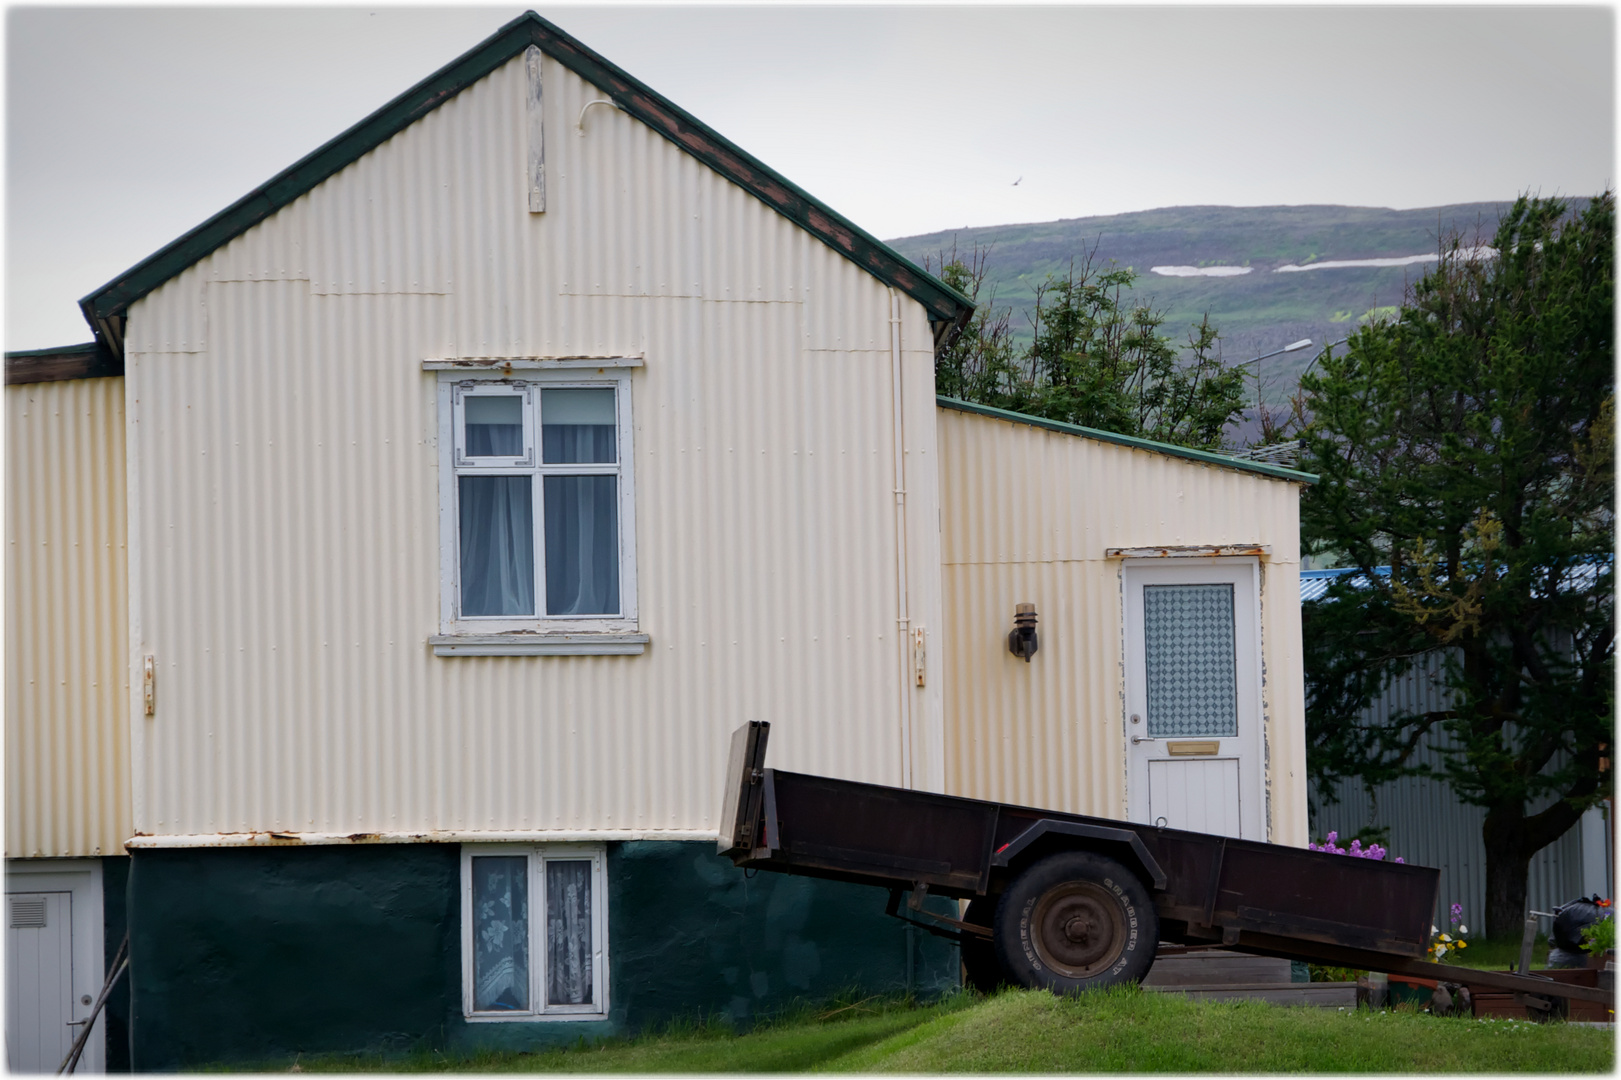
(1200, 271)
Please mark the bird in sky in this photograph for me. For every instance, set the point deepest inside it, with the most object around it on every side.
(1016, 182)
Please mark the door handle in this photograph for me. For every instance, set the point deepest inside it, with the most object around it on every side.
(1135, 739)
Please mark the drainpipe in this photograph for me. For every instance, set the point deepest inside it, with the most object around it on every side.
(903, 622)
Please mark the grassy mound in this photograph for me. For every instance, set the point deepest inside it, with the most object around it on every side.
(1122, 1030)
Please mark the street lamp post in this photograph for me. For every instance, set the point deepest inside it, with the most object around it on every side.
(1319, 356)
(1292, 347)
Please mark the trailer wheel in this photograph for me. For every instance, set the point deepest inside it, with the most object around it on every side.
(1076, 921)
(980, 968)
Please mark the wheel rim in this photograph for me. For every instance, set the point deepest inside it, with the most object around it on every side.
(1078, 929)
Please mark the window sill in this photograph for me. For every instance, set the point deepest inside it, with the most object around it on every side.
(534, 1018)
(528, 644)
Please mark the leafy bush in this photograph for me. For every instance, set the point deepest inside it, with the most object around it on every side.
(1599, 937)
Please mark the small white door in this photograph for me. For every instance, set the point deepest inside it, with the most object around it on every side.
(53, 965)
(1193, 695)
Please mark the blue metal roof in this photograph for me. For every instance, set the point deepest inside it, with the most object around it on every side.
(1314, 583)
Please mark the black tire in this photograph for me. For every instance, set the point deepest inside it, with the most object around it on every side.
(1076, 921)
(980, 970)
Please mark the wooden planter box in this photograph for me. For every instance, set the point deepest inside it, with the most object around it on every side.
(1504, 1005)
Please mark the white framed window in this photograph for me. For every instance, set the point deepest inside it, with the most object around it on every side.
(537, 508)
(534, 932)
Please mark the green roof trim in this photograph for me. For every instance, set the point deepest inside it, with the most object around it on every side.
(104, 308)
(1206, 457)
(92, 360)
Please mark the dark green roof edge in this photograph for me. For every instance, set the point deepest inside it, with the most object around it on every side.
(942, 301)
(1276, 472)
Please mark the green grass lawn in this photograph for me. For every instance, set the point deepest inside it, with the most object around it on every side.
(1124, 1030)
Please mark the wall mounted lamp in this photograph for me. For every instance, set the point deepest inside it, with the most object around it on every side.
(1021, 640)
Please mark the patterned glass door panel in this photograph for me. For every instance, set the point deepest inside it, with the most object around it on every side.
(1189, 654)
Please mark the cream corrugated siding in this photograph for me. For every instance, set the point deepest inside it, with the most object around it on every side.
(67, 717)
(1028, 516)
(288, 567)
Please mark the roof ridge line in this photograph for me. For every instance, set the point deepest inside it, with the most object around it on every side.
(109, 302)
(1135, 442)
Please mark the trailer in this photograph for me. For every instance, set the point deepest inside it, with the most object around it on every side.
(1068, 902)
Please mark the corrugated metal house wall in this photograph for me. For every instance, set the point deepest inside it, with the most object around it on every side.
(1028, 516)
(67, 725)
(1430, 826)
(287, 526)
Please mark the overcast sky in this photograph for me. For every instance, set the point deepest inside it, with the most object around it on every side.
(125, 127)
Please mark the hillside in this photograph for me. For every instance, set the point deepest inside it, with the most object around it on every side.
(1256, 311)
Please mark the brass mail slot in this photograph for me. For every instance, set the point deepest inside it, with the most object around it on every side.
(1179, 749)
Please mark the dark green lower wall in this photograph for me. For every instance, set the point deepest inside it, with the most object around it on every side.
(248, 954)
(258, 954)
(114, 1019)
(689, 932)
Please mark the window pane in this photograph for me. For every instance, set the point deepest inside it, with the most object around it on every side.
(501, 933)
(494, 425)
(568, 932)
(1190, 660)
(497, 545)
(582, 545)
(577, 426)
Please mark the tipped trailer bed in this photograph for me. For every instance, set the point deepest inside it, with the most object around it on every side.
(1069, 902)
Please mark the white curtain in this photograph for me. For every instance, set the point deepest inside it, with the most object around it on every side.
(494, 425)
(568, 932)
(582, 512)
(582, 545)
(498, 545)
(500, 933)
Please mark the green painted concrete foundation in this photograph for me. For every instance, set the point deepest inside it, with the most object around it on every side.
(114, 1019)
(255, 955)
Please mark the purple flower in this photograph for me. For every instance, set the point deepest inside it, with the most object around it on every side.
(1374, 851)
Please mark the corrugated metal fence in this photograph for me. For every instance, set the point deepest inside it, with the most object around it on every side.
(1431, 826)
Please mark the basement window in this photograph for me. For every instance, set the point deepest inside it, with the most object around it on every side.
(534, 932)
(537, 514)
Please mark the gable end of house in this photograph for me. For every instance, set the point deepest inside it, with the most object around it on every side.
(105, 309)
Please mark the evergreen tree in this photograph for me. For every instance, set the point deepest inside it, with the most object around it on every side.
(1467, 445)
(1094, 358)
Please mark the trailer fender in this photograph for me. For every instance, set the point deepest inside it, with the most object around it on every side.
(1133, 847)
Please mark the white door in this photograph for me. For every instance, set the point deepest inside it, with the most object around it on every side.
(53, 965)
(1193, 695)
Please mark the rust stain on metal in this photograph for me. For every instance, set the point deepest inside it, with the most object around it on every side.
(1200, 551)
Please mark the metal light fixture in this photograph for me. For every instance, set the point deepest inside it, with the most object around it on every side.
(1021, 640)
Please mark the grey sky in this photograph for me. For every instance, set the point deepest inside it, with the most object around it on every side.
(127, 126)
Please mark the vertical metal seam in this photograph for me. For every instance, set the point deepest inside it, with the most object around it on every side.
(902, 614)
